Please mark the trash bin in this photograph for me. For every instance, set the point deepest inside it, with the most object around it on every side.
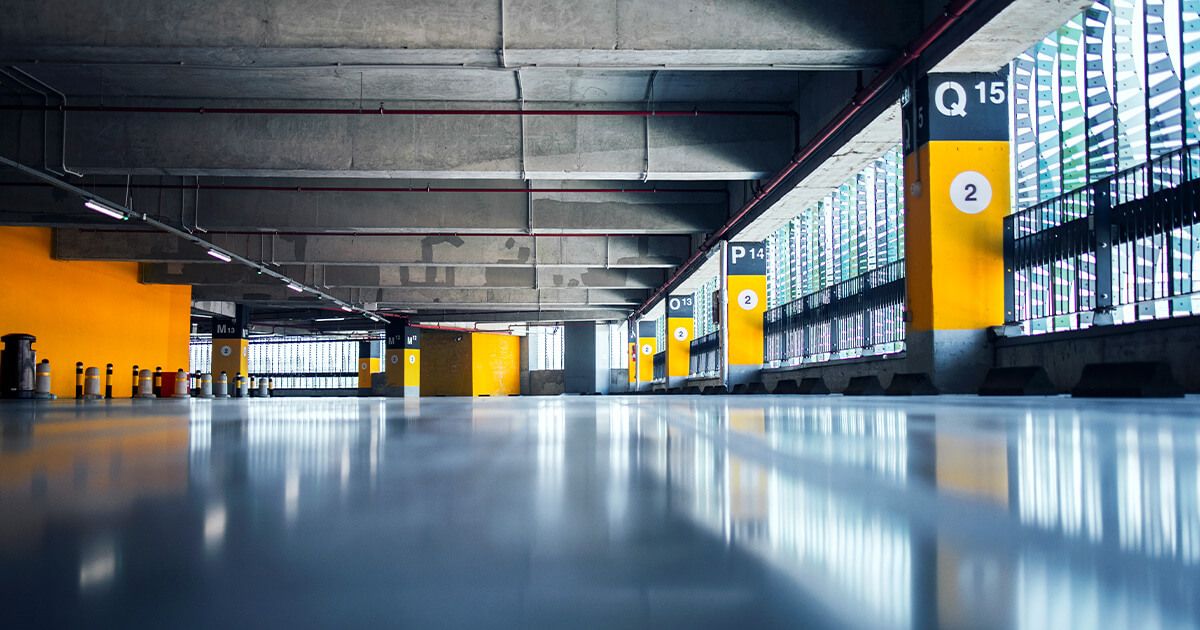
(17, 364)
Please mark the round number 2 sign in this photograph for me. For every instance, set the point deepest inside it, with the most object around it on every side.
(971, 192)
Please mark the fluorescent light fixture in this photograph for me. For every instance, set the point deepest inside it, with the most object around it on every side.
(295, 287)
(330, 319)
(105, 210)
(219, 255)
(347, 309)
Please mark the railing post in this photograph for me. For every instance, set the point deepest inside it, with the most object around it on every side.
(1010, 276)
(1101, 225)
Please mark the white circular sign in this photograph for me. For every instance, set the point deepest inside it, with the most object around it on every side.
(362, 366)
(647, 349)
(395, 359)
(681, 333)
(226, 351)
(412, 359)
(747, 299)
(971, 192)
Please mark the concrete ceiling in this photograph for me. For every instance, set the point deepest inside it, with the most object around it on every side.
(378, 150)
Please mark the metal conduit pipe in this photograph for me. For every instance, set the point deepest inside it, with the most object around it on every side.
(928, 37)
(383, 111)
(227, 256)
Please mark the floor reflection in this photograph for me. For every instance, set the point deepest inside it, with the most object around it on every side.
(605, 511)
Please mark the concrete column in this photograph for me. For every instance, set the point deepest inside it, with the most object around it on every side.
(956, 176)
(585, 368)
(368, 365)
(231, 344)
(633, 356)
(744, 278)
(681, 330)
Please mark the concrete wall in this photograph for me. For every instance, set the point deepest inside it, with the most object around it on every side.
(1063, 355)
(545, 383)
(618, 381)
(837, 374)
(94, 312)
(1175, 341)
(579, 357)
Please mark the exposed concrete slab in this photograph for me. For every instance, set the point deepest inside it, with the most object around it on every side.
(389, 83)
(483, 299)
(517, 251)
(415, 146)
(1014, 29)
(529, 32)
(547, 315)
(338, 276)
(381, 206)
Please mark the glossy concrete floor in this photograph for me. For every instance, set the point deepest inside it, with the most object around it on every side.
(612, 512)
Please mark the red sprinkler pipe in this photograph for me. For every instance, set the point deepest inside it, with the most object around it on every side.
(395, 233)
(928, 37)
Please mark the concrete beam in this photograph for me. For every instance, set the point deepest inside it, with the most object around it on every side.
(687, 33)
(385, 277)
(479, 299)
(521, 316)
(422, 146)
(384, 206)
(444, 251)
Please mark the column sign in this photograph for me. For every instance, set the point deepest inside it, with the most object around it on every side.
(746, 291)
(681, 329)
(955, 107)
(647, 347)
(956, 185)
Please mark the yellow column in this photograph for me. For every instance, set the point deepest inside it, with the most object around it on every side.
(681, 329)
(368, 364)
(745, 303)
(402, 359)
(956, 176)
(412, 362)
(647, 346)
(231, 348)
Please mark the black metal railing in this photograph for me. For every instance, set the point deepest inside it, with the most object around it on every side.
(706, 355)
(1118, 250)
(862, 315)
(293, 362)
(660, 366)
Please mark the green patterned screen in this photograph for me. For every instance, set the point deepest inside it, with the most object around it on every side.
(1111, 89)
(855, 229)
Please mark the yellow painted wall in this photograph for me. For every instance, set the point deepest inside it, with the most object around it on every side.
(954, 260)
(679, 346)
(95, 312)
(647, 347)
(412, 370)
(235, 362)
(495, 365)
(745, 322)
(445, 363)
